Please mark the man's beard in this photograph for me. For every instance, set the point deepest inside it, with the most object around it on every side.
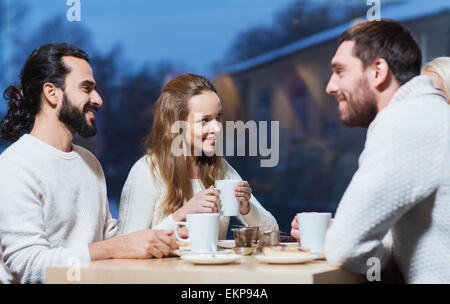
(362, 108)
(75, 119)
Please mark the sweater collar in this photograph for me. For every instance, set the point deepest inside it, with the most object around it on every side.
(49, 149)
(416, 87)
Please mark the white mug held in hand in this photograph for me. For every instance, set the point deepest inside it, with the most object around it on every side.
(313, 227)
(229, 204)
(203, 229)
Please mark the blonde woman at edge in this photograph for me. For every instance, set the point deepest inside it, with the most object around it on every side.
(439, 72)
(162, 188)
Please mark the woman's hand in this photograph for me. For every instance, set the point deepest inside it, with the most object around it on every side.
(243, 193)
(206, 201)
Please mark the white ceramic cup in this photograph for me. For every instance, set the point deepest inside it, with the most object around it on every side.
(313, 227)
(203, 231)
(229, 205)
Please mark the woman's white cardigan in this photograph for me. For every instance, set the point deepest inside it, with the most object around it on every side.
(142, 195)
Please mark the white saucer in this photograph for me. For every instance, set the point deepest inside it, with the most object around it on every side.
(319, 255)
(210, 258)
(182, 252)
(285, 259)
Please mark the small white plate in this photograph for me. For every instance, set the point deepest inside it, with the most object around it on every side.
(182, 252)
(285, 259)
(319, 255)
(211, 258)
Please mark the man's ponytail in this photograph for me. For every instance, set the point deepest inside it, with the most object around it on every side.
(20, 115)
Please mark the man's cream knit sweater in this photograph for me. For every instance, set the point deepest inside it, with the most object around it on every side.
(52, 206)
(398, 202)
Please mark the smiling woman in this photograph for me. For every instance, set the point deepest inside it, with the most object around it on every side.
(162, 187)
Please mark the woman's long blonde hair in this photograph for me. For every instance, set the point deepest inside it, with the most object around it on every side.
(440, 66)
(172, 106)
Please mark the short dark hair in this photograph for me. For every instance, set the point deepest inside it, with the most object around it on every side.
(44, 64)
(387, 39)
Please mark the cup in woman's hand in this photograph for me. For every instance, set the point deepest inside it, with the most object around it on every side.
(229, 204)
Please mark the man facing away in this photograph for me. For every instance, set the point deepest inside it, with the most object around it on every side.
(53, 203)
(398, 201)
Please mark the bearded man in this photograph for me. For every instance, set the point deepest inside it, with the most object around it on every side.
(396, 207)
(53, 204)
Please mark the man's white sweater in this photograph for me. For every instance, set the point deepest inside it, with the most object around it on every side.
(53, 204)
(398, 202)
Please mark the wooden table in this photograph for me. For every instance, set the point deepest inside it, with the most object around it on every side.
(173, 270)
